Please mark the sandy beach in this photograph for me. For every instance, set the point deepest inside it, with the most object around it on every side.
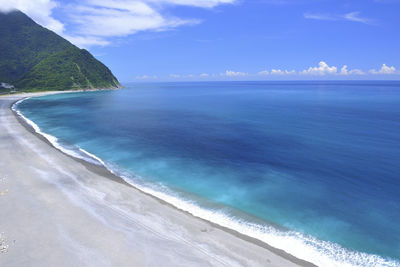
(58, 211)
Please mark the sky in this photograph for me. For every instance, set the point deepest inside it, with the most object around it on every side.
(202, 40)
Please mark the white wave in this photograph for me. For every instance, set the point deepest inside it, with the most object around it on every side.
(92, 156)
(301, 246)
(308, 248)
(54, 140)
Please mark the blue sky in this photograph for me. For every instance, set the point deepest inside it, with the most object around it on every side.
(173, 40)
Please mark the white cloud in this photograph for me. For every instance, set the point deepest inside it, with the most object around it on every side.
(142, 77)
(146, 77)
(345, 71)
(322, 69)
(282, 72)
(39, 10)
(263, 73)
(277, 72)
(351, 16)
(317, 16)
(384, 70)
(355, 16)
(94, 22)
(85, 41)
(231, 73)
(195, 3)
(109, 18)
(290, 72)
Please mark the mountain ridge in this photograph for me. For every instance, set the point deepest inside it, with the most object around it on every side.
(34, 58)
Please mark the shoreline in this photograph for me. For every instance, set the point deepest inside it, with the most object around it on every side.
(104, 171)
(197, 231)
(247, 230)
(16, 93)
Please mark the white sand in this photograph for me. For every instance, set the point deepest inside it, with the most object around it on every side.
(56, 211)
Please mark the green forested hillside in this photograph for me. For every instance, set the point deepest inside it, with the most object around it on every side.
(69, 68)
(34, 58)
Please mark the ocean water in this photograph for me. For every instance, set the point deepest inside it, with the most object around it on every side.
(312, 168)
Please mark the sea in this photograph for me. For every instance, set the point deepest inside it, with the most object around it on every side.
(309, 167)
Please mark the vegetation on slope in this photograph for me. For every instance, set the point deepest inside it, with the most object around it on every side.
(69, 68)
(35, 58)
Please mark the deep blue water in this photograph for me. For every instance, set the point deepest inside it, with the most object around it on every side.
(319, 158)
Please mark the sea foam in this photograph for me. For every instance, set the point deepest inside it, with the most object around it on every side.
(72, 151)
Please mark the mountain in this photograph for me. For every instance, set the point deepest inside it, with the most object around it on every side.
(33, 58)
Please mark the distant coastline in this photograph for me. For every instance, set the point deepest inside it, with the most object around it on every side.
(45, 92)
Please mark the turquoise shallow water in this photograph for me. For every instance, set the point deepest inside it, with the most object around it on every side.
(319, 161)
